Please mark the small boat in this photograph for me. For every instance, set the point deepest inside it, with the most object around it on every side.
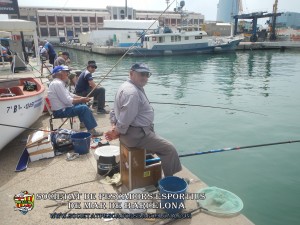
(19, 106)
(183, 43)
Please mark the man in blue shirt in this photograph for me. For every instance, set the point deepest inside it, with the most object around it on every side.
(50, 50)
(86, 84)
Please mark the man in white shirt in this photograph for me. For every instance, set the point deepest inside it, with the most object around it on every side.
(65, 104)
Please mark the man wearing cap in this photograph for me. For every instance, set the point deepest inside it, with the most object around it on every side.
(132, 120)
(85, 84)
(62, 59)
(65, 104)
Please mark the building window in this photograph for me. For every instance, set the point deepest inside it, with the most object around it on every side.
(129, 17)
(68, 19)
(173, 22)
(51, 19)
(42, 19)
(186, 38)
(52, 32)
(76, 19)
(77, 30)
(60, 19)
(198, 37)
(92, 20)
(23, 18)
(122, 17)
(115, 17)
(85, 29)
(32, 18)
(44, 32)
(100, 19)
(84, 19)
(167, 21)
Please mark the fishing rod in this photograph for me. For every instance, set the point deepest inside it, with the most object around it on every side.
(28, 128)
(227, 149)
(133, 45)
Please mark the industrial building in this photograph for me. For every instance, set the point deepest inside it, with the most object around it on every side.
(59, 25)
(289, 19)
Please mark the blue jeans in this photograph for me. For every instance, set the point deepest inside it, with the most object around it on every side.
(82, 111)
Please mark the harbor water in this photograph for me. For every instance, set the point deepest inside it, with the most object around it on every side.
(265, 85)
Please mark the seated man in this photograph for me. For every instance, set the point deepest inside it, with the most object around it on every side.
(62, 59)
(132, 120)
(85, 84)
(65, 104)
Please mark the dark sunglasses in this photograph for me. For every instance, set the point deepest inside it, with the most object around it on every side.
(145, 74)
(95, 67)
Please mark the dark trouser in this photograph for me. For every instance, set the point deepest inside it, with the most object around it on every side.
(145, 138)
(82, 111)
(98, 94)
(52, 59)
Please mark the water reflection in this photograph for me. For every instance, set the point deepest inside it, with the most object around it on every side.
(234, 74)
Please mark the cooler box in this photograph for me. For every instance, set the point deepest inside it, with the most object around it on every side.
(39, 146)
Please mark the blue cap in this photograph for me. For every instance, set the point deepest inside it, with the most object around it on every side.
(140, 67)
(60, 68)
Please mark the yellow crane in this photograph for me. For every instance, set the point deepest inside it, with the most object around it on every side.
(273, 24)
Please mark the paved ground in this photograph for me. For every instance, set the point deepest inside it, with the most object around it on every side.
(79, 175)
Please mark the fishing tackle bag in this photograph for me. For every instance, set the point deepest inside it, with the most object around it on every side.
(61, 141)
(29, 86)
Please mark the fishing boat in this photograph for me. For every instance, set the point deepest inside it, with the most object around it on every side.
(19, 106)
(184, 42)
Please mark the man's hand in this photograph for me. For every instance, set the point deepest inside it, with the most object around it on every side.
(112, 134)
(84, 99)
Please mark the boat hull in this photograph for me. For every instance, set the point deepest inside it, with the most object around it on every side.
(21, 110)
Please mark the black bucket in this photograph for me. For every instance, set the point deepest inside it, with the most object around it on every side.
(108, 160)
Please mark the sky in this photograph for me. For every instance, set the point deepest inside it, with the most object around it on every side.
(207, 8)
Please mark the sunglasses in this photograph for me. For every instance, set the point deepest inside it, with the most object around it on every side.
(145, 74)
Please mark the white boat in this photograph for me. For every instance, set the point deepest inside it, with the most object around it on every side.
(184, 42)
(18, 107)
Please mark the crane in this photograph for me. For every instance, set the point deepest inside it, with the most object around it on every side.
(273, 24)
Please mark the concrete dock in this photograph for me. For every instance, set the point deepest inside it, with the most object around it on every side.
(80, 175)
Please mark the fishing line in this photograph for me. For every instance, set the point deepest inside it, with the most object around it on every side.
(227, 149)
(204, 106)
(155, 83)
(207, 106)
(128, 50)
